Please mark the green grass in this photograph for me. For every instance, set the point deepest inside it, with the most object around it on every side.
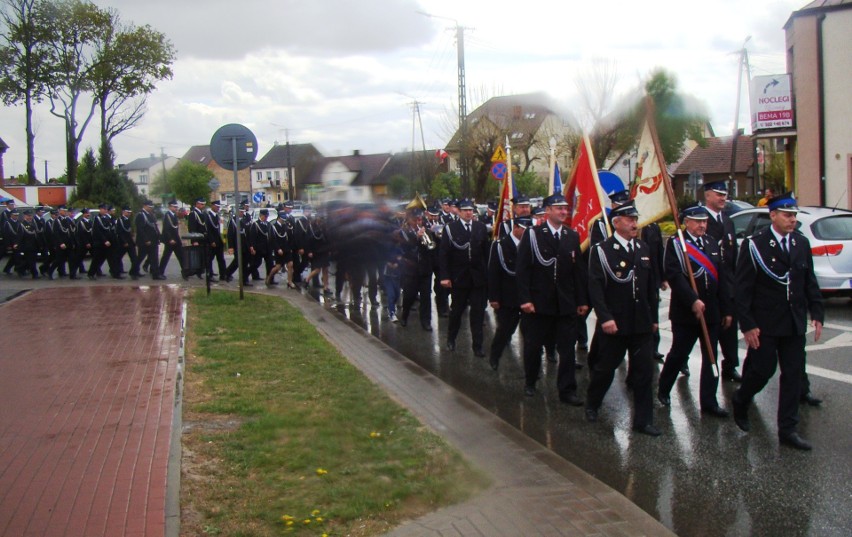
(270, 403)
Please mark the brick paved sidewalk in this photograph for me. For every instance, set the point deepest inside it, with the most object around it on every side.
(87, 398)
(535, 491)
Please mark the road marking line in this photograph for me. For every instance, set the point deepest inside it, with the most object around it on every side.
(829, 374)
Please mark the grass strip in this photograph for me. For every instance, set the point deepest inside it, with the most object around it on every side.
(282, 436)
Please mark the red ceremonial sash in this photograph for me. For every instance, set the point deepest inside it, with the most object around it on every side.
(702, 260)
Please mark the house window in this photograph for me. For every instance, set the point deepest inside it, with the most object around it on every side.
(529, 115)
(277, 175)
(269, 176)
(259, 176)
(517, 135)
(143, 179)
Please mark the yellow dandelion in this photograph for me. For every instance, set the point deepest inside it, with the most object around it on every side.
(315, 512)
(375, 434)
(307, 521)
(286, 518)
(289, 522)
(320, 471)
(319, 519)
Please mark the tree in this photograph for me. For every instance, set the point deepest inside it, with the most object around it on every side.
(23, 64)
(399, 187)
(77, 29)
(100, 183)
(128, 64)
(530, 184)
(188, 180)
(678, 117)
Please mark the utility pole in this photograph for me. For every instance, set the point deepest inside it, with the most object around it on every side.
(291, 181)
(463, 157)
(740, 65)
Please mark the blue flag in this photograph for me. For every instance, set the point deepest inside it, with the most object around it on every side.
(557, 180)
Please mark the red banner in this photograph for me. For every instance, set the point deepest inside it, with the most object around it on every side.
(584, 193)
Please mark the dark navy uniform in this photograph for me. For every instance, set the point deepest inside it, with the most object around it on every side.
(85, 240)
(245, 222)
(416, 275)
(712, 283)
(171, 239)
(103, 241)
(725, 236)
(775, 293)
(125, 243)
(552, 276)
(213, 233)
(622, 288)
(258, 242)
(503, 291)
(463, 257)
(148, 239)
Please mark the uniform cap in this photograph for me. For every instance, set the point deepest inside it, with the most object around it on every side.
(148, 203)
(464, 204)
(264, 212)
(521, 200)
(217, 203)
(628, 209)
(524, 221)
(783, 202)
(173, 203)
(554, 200)
(720, 187)
(201, 200)
(492, 205)
(620, 197)
(126, 208)
(695, 212)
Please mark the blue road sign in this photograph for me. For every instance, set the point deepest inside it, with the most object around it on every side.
(258, 197)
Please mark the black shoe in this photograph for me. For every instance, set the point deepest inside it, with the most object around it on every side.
(571, 399)
(118, 277)
(591, 415)
(402, 322)
(740, 412)
(477, 351)
(426, 326)
(229, 279)
(810, 399)
(551, 357)
(36, 277)
(248, 284)
(443, 314)
(49, 276)
(73, 277)
(582, 347)
(664, 400)
(159, 277)
(577, 365)
(529, 391)
(494, 363)
(648, 429)
(685, 370)
(716, 411)
(794, 440)
(659, 357)
(451, 345)
(92, 277)
(134, 276)
(732, 375)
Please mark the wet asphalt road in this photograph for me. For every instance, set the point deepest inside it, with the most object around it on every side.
(703, 477)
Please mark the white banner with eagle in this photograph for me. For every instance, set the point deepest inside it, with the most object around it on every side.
(648, 188)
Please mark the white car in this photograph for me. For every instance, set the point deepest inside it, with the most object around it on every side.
(830, 234)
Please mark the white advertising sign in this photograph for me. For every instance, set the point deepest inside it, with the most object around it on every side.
(771, 102)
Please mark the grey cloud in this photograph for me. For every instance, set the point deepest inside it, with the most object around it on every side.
(231, 29)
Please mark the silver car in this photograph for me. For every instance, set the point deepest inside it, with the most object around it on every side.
(830, 234)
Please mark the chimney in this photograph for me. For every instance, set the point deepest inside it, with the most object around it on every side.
(356, 153)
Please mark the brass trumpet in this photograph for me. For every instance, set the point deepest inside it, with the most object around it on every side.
(426, 240)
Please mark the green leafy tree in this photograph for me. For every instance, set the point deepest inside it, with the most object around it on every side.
(446, 185)
(101, 183)
(86, 177)
(530, 184)
(678, 117)
(129, 63)
(23, 64)
(188, 180)
(399, 187)
(77, 28)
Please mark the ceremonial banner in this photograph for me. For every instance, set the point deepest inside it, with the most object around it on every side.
(584, 194)
(649, 184)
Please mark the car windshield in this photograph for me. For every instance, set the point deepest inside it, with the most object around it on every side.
(833, 228)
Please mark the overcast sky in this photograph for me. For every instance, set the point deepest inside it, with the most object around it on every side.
(342, 74)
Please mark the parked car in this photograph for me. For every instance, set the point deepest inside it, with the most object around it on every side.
(735, 206)
(830, 234)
